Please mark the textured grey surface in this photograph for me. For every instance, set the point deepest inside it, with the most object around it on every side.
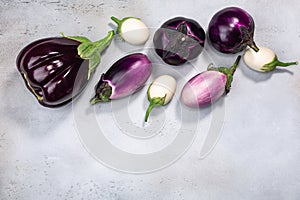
(257, 157)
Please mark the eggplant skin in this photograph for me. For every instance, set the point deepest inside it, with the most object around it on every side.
(126, 76)
(204, 89)
(179, 40)
(52, 70)
(231, 30)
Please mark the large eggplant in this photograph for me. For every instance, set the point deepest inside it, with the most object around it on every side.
(178, 40)
(57, 69)
(123, 78)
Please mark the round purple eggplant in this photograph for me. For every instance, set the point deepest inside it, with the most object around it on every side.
(231, 30)
(178, 40)
(123, 78)
(57, 69)
(207, 87)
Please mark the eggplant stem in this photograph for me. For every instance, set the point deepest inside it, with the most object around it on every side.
(228, 72)
(247, 38)
(272, 65)
(285, 64)
(155, 101)
(254, 47)
(150, 107)
(105, 42)
(116, 20)
(100, 45)
(235, 65)
(91, 51)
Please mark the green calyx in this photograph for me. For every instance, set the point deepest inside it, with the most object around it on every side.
(247, 38)
(120, 22)
(155, 101)
(103, 93)
(91, 50)
(275, 63)
(229, 72)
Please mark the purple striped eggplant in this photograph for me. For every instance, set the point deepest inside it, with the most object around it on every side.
(207, 87)
(57, 69)
(123, 78)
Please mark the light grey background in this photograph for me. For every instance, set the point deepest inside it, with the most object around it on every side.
(257, 157)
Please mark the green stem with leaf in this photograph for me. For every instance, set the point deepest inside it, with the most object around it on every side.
(154, 101)
(275, 62)
(228, 72)
(92, 50)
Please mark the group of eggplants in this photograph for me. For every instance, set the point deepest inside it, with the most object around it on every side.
(57, 69)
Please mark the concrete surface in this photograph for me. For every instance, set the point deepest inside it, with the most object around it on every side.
(257, 156)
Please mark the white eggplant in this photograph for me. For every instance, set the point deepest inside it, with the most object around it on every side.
(265, 60)
(160, 92)
(132, 30)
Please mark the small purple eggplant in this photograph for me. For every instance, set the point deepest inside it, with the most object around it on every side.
(178, 40)
(231, 30)
(123, 78)
(207, 87)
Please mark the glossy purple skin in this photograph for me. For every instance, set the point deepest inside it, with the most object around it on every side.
(204, 89)
(51, 66)
(231, 30)
(178, 40)
(126, 76)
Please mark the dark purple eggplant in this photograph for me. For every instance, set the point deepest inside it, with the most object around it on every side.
(123, 78)
(178, 40)
(231, 30)
(57, 69)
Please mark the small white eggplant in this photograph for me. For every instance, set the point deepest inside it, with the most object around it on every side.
(132, 30)
(265, 60)
(160, 92)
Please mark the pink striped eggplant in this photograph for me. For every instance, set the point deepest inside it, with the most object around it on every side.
(207, 87)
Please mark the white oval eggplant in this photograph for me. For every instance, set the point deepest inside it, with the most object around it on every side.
(160, 92)
(265, 60)
(132, 30)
